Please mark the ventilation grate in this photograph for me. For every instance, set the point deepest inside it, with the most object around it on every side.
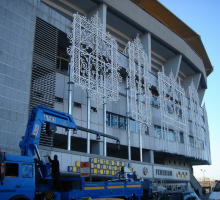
(44, 70)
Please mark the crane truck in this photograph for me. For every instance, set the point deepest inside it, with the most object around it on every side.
(28, 177)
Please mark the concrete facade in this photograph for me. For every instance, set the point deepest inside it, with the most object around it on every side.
(17, 36)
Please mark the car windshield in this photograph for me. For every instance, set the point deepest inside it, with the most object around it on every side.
(217, 187)
(170, 197)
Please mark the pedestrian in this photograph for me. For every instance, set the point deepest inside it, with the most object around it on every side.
(55, 172)
(197, 192)
(203, 192)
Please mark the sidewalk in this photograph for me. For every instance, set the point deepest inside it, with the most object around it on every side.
(206, 197)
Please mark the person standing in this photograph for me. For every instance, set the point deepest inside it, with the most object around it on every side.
(197, 192)
(56, 173)
(203, 192)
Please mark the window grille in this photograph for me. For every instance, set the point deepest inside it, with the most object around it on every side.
(43, 70)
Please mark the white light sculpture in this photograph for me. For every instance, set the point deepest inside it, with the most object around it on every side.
(139, 83)
(94, 55)
(206, 135)
(172, 108)
(196, 129)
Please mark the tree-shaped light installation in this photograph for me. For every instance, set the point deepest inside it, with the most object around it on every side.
(206, 136)
(195, 117)
(172, 108)
(139, 83)
(94, 55)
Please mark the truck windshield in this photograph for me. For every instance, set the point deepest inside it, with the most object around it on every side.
(2, 171)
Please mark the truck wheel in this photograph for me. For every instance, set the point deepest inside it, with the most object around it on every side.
(19, 198)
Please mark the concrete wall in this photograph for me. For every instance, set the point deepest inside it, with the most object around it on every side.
(17, 27)
(17, 30)
(153, 26)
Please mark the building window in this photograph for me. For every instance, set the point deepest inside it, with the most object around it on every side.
(169, 107)
(172, 135)
(181, 140)
(169, 161)
(115, 121)
(146, 131)
(107, 119)
(58, 99)
(132, 126)
(62, 61)
(121, 122)
(93, 109)
(174, 162)
(154, 101)
(179, 163)
(191, 141)
(77, 105)
(157, 132)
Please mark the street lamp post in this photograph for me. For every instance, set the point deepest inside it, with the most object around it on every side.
(203, 171)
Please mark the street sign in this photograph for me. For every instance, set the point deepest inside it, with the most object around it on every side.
(84, 170)
(84, 164)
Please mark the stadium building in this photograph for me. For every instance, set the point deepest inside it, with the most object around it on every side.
(126, 68)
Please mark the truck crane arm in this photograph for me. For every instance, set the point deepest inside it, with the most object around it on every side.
(52, 118)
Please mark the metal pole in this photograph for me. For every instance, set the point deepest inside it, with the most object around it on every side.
(88, 121)
(104, 127)
(104, 118)
(203, 171)
(90, 174)
(88, 109)
(140, 128)
(69, 104)
(128, 120)
(141, 156)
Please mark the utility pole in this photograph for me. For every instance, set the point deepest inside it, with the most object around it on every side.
(203, 177)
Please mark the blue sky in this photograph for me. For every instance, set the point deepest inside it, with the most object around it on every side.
(203, 17)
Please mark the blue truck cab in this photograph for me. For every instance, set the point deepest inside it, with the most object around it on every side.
(17, 180)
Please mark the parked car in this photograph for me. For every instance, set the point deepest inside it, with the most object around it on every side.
(215, 195)
(187, 195)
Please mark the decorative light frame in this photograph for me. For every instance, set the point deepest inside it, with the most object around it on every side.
(94, 59)
(206, 136)
(172, 93)
(196, 129)
(139, 83)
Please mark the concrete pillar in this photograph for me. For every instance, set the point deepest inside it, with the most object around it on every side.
(152, 156)
(173, 64)
(97, 148)
(146, 42)
(201, 94)
(187, 82)
(146, 156)
(102, 12)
